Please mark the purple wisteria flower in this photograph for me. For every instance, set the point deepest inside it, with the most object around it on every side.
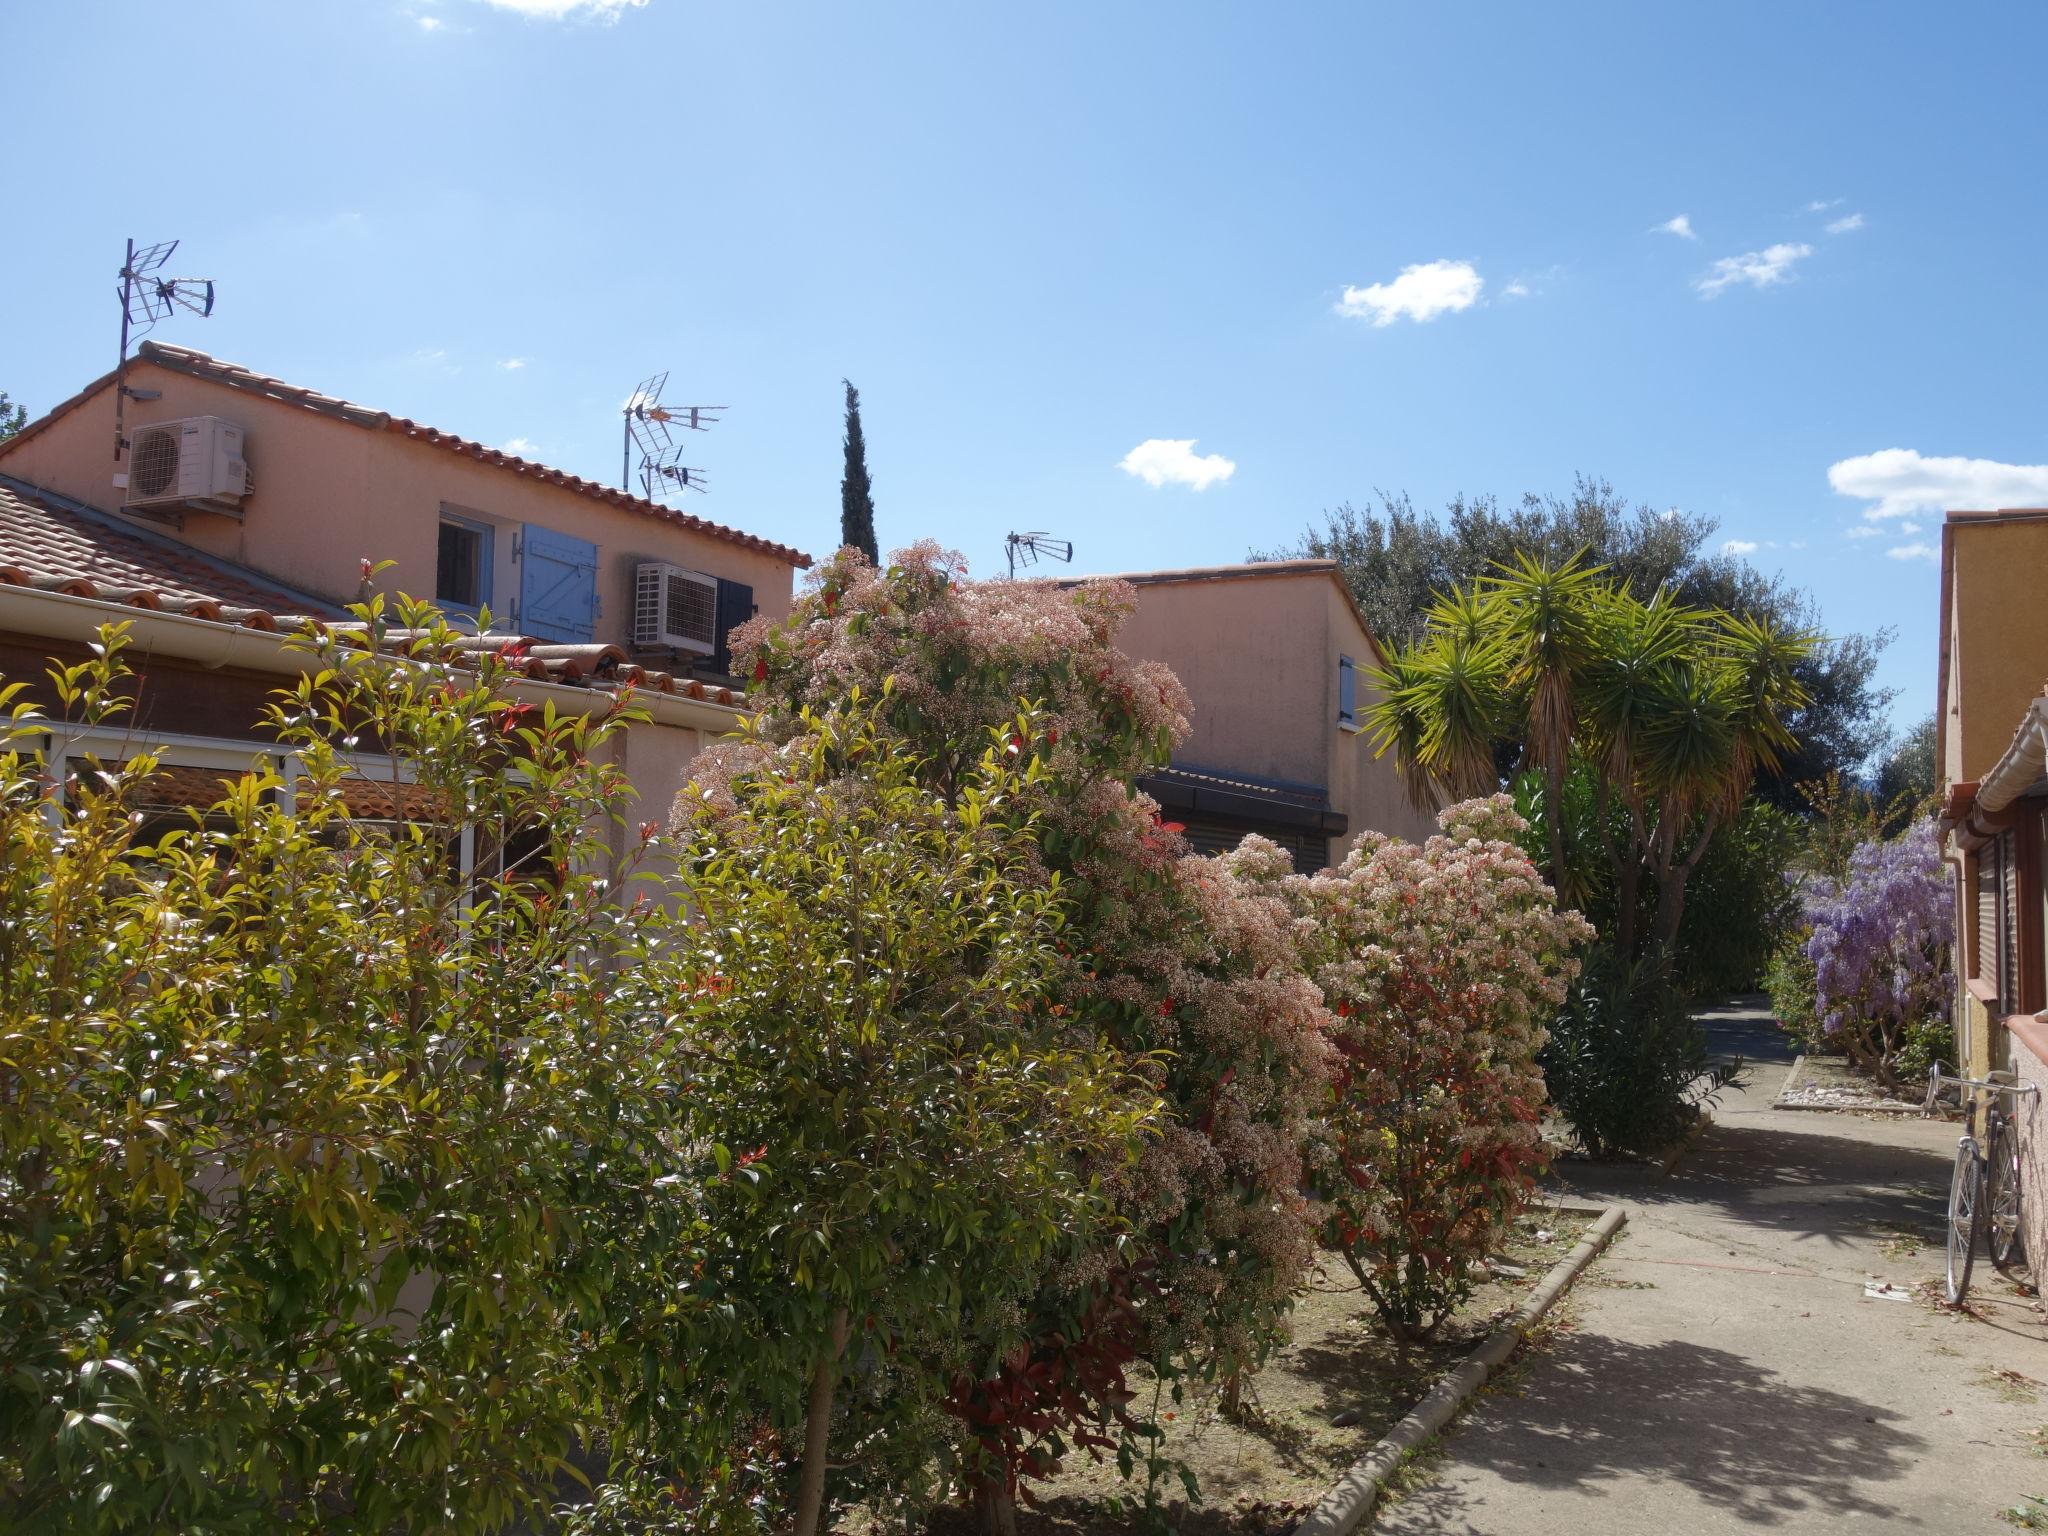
(1880, 943)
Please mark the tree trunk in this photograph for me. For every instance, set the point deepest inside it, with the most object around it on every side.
(810, 1488)
(995, 1508)
(1671, 892)
(1553, 789)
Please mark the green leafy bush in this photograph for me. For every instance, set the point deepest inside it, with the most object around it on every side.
(333, 1189)
(1626, 1064)
(1740, 905)
(901, 1136)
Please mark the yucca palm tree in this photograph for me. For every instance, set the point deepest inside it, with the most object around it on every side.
(1545, 665)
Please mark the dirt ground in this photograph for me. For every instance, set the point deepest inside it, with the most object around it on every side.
(1262, 1469)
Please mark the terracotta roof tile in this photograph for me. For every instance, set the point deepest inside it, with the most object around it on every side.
(60, 545)
(53, 544)
(200, 365)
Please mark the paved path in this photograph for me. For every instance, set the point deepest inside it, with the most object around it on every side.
(1727, 1370)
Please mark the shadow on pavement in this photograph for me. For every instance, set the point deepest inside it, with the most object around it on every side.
(1810, 1185)
(1739, 1436)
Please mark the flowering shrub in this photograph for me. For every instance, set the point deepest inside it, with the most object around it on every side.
(894, 1140)
(1443, 962)
(1879, 948)
(1176, 963)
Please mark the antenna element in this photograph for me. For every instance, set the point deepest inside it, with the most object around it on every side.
(651, 427)
(146, 299)
(1029, 548)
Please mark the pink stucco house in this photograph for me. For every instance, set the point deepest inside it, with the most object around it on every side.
(245, 503)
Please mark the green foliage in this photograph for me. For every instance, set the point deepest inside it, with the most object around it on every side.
(1626, 1064)
(901, 1136)
(1908, 777)
(12, 417)
(1662, 711)
(856, 490)
(1794, 989)
(1398, 560)
(337, 1194)
(1740, 904)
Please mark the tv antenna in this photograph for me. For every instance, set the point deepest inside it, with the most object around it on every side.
(651, 427)
(1030, 548)
(147, 298)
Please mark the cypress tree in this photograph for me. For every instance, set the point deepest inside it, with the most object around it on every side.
(856, 491)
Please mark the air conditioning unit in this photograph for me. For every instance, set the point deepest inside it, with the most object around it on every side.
(675, 608)
(195, 464)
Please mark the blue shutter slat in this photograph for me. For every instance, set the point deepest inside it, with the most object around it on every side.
(557, 585)
(1347, 691)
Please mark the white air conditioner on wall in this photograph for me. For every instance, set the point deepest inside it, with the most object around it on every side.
(195, 463)
(676, 608)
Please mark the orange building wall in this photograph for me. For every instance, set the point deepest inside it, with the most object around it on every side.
(1258, 655)
(329, 495)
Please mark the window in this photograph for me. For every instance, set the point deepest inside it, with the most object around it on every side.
(462, 565)
(1347, 693)
(1997, 927)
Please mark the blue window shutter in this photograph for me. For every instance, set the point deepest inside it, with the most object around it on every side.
(557, 585)
(1347, 691)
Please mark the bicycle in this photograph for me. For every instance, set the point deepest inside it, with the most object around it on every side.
(1984, 1190)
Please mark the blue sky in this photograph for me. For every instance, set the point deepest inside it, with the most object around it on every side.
(1333, 247)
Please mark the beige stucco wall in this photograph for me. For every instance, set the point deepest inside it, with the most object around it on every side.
(1258, 656)
(1998, 638)
(329, 495)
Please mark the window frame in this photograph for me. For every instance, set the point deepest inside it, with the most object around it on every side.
(486, 562)
(1347, 674)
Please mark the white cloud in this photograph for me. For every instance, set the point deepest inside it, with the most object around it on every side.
(1680, 226)
(525, 447)
(1864, 531)
(1739, 547)
(1421, 292)
(1760, 269)
(1516, 290)
(1173, 461)
(1914, 551)
(431, 23)
(555, 10)
(1822, 206)
(1898, 482)
(512, 364)
(1844, 225)
(1909, 527)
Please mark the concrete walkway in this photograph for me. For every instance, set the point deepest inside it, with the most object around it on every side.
(1727, 1369)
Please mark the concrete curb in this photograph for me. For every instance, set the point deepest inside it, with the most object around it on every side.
(1346, 1506)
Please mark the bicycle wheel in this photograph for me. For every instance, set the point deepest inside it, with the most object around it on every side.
(2002, 1195)
(1965, 1215)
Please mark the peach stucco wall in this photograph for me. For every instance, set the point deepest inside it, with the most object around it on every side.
(329, 495)
(1258, 656)
(1998, 638)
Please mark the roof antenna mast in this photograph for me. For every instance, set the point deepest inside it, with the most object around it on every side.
(145, 299)
(1030, 548)
(648, 424)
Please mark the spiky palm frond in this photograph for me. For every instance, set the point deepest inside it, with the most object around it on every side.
(1626, 686)
(1547, 613)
